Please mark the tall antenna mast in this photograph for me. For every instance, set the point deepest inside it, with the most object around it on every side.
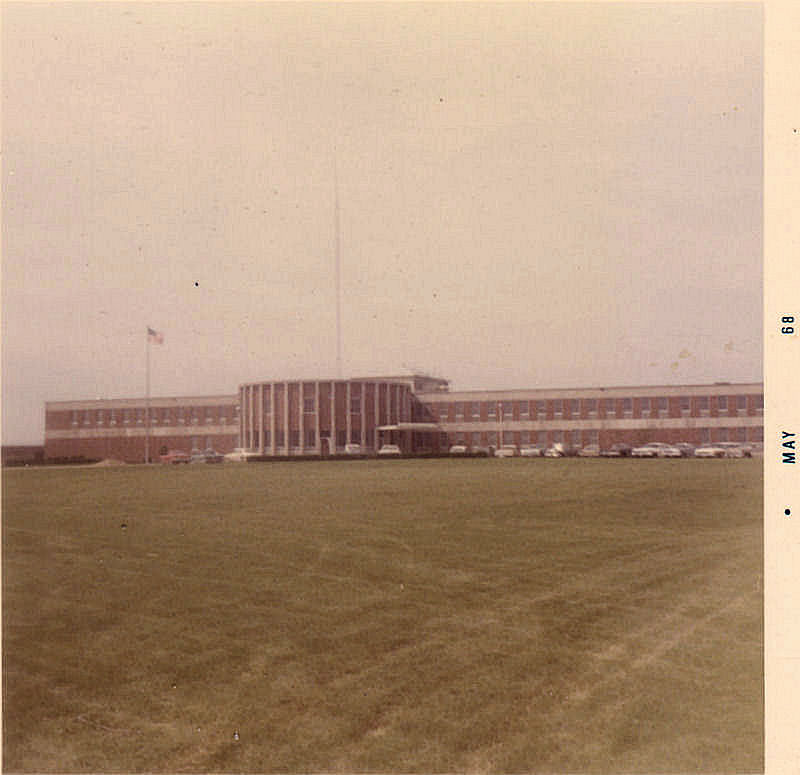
(337, 259)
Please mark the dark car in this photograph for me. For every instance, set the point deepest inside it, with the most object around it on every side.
(212, 456)
(617, 450)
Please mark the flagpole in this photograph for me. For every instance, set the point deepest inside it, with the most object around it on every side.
(147, 404)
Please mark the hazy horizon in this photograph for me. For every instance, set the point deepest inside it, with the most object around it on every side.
(531, 195)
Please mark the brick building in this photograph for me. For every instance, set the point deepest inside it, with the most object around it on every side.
(420, 413)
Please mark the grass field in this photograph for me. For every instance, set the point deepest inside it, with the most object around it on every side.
(394, 616)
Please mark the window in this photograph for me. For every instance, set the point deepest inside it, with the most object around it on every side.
(341, 438)
(181, 415)
(524, 409)
(476, 438)
(355, 436)
(267, 437)
(492, 437)
(355, 404)
(685, 405)
(294, 438)
(575, 438)
(644, 403)
(594, 437)
(444, 412)
(140, 416)
(74, 417)
(741, 404)
(705, 435)
(722, 434)
(491, 410)
(311, 437)
(126, 417)
(459, 437)
(195, 418)
(541, 408)
(267, 403)
(627, 406)
(611, 407)
(558, 437)
(280, 438)
(662, 405)
(722, 403)
(508, 437)
(558, 408)
(541, 438)
(476, 410)
(209, 415)
(525, 437)
(309, 406)
(760, 403)
(113, 419)
(757, 434)
(591, 406)
(507, 408)
(459, 410)
(87, 417)
(575, 407)
(741, 434)
(702, 403)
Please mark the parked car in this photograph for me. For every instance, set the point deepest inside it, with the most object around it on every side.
(352, 449)
(175, 456)
(687, 450)
(197, 456)
(736, 449)
(557, 450)
(390, 450)
(656, 449)
(507, 450)
(722, 449)
(529, 450)
(458, 449)
(590, 450)
(239, 455)
(616, 450)
(482, 451)
(212, 456)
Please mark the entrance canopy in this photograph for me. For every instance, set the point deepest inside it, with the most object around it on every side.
(411, 426)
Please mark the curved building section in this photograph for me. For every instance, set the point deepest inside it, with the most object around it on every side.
(325, 417)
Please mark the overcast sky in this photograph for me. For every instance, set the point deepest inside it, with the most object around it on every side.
(531, 195)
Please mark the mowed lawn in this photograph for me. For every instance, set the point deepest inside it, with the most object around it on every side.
(388, 616)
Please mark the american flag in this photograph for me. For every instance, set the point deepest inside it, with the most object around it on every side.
(154, 336)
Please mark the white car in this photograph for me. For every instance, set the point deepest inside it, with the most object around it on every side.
(656, 449)
(458, 449)
(557, 450)
(352, 449)
(239, 455)
(507, 450)
(722, 449)
(590, 450)
(389, 449)
(530, 451)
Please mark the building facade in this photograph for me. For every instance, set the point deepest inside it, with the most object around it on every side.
(277, 418)
(118, 428)
(696, 414)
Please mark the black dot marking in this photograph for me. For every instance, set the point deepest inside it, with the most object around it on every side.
(197, 285)
(787, 512)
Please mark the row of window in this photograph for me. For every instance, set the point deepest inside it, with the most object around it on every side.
(592, 407)
(310, 404)
(582, 438)
(166, 416)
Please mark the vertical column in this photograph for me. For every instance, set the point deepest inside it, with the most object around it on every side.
(347, 418)
(318, 441)
(252, 418)
(287, 446)
(363, 416)
(301, 390)
(261, 419)
(333, 418)
(376, 388)
(272, 418)
(241, 417)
